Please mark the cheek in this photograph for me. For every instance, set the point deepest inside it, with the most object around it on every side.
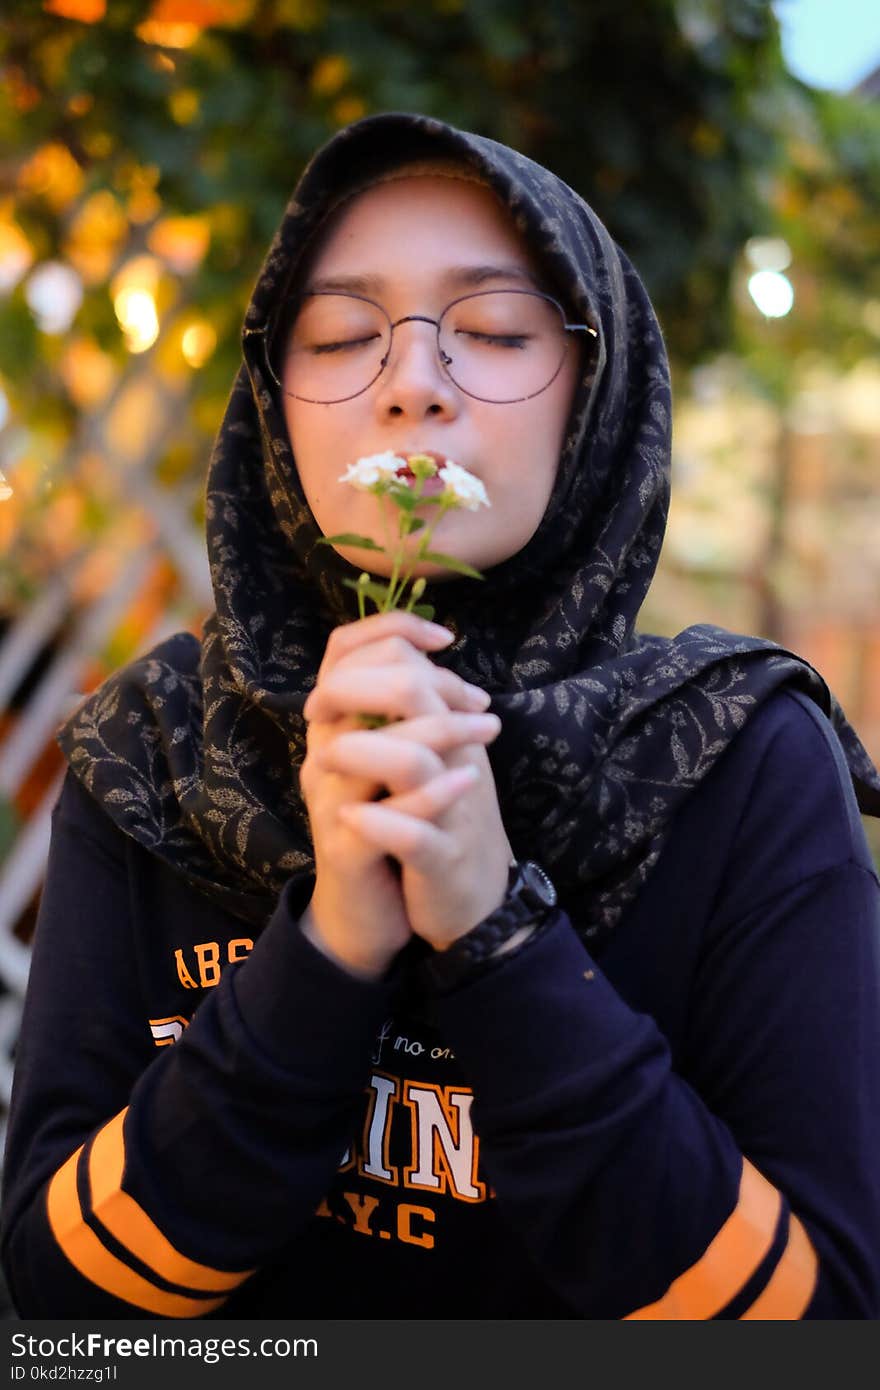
(312, 445)
(552, 430)
(540, 486)
(539, 452)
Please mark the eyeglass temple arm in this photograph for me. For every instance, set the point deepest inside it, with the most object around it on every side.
(581, 328)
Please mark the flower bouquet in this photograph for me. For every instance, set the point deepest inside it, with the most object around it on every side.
(410, 483)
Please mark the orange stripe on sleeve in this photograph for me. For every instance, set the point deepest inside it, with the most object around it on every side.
(93, 1260)
(733, 1256)
(790, 1288)
(129, 1223)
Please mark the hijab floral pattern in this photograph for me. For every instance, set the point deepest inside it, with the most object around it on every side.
(194, 748)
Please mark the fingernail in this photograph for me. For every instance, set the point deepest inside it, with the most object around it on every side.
(481, 720)
(482, 723)
(438, 630)
(478, 698)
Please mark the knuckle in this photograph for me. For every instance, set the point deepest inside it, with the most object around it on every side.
(419, 764)
(307, 775)
(410, 686)
(396, 649)
(335, 642)
(418, 843)
(329, 683)
(399, 646)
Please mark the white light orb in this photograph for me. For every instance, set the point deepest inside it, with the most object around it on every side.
(768, 253)
(136, 312)
(54, 292)
(772, 292)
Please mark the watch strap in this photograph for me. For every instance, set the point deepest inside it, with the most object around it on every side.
(522, 916)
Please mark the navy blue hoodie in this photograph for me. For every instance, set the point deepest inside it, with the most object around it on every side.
(212, 1120)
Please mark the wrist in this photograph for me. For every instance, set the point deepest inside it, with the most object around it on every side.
(361, 965)
(528, 907)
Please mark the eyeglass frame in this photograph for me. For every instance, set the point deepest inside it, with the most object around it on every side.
(419, 318)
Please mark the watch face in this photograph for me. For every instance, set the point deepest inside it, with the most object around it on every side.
(538, 883)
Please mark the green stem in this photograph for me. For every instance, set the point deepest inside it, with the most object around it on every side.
(398, 582)
(423, 547)
(403, 531)
(395, 570)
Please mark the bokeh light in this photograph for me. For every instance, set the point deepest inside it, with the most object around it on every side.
(87, 372)
(133, 291)
(86, 11)
(772, 292)
(16, 255)
(138, 319)
(181, 242)
(198, 342)
(54, 293)
(96, 233)
(768, 253)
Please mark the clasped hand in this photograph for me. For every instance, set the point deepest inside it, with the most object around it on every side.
(405, 820)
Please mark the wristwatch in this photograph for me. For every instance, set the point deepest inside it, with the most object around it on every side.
(528, 906)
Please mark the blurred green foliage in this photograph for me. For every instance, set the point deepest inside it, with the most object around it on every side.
(674, 118)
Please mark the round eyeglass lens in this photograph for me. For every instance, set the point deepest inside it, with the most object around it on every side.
(502, 345)
(498, 345)
(336, 347)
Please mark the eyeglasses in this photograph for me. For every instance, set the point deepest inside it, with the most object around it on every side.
(498, 346)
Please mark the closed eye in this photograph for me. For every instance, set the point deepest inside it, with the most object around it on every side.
(319, 348)
(515, 340)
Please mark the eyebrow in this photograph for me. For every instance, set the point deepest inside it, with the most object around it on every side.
(466, 276)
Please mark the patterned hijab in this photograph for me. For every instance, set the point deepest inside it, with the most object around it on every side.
(193, 749)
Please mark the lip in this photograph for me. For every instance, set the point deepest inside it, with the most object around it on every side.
(438, 458)
(430, 486)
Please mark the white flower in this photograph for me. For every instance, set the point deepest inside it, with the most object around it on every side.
(461, 485)
(364, 473)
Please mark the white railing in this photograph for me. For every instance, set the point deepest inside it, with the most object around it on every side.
(60, 635)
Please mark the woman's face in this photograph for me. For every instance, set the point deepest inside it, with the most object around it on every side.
(411, 238)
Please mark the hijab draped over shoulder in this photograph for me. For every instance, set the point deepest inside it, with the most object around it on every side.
(194, 749)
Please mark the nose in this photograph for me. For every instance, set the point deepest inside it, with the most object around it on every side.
(414, 382)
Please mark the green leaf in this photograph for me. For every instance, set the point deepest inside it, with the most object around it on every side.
(424, 610)
(449, 562)
(403, 498)
(349, 538)
(377, 592)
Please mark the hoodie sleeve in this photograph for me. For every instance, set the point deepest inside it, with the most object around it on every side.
(112, 1188)
(740, 1178)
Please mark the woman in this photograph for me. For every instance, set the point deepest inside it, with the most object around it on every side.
(563, 1008)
